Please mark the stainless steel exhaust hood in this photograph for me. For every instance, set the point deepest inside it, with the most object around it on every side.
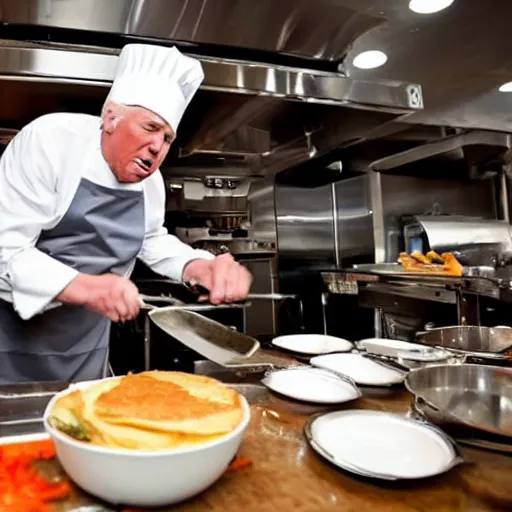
(273, 95)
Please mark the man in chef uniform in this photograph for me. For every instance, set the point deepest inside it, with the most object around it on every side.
(80, 199)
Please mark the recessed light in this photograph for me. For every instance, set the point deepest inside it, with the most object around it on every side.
(370, 59)
(506, 87)
(429, 6)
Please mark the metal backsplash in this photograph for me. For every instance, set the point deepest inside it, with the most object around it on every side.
(408, 195)
(262, 211)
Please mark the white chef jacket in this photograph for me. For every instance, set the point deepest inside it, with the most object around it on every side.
(40, 172)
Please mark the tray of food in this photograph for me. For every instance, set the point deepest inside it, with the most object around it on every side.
(430, 267)
(431, 263)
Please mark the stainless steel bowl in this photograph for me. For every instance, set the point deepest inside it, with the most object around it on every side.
(491, 342)
(477, 396)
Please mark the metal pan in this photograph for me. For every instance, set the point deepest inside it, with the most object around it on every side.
(211, 339)
(215, 341)
(463, 434)
(477, 396)
(470, 340)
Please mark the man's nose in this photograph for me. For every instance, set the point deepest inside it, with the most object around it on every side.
(156, 144)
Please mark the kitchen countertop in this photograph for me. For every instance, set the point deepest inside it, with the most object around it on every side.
(287, 475)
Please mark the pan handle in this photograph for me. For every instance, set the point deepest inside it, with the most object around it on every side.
(144, 299)
(177, 304)
(428, 403)
(202, 294)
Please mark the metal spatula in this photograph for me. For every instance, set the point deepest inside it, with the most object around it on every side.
(211, 339)
(207, 337)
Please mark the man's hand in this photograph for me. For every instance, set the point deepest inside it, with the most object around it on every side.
(110, 295)
(226, 279)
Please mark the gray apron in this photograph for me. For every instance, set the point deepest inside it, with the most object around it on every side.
(101, 232)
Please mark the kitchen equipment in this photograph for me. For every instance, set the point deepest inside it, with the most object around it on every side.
(478, 396)
(139, 478)
(474, 241)
(207, 337)
(463, 434)
(389, 347)
(311, 385)
(387, 362)
(382, 445)
(145, 301)
(312, 344)
(200, 294)
(22, 406)
(401, 349)
(479, 341)
(361, 370)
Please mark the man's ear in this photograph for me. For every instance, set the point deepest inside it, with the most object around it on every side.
(110, 119)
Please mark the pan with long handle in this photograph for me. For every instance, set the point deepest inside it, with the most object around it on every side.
(211, 339)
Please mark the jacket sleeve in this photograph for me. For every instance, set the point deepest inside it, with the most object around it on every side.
(163, 253)
(28, 192)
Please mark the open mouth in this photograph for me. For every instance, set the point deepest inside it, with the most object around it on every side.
(145, 165)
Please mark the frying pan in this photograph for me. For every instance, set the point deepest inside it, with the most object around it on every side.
(207, 337)
(477, 396)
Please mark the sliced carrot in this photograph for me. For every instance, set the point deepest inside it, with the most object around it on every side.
(22, 488)
(239, 463)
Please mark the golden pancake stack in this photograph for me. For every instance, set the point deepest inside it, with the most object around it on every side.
(149, 411)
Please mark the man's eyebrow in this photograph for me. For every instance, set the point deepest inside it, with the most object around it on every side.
(154, 121)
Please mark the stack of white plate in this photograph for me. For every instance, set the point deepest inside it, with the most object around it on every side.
(381, 445)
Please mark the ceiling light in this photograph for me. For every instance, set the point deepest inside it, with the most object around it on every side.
(370, 59)
(429, 6)
(506, 87)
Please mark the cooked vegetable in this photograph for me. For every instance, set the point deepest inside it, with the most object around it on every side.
(75, 430)
(22, 489)
(435, 258)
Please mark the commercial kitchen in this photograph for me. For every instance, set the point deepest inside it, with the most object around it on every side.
(355, 156)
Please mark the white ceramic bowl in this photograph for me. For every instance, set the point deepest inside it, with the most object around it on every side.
(144, 479)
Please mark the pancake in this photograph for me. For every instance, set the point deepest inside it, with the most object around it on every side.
(197, 405)
(149, 411)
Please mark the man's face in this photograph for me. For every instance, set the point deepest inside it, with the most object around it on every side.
(135, 142)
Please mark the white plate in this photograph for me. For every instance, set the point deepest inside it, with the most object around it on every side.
(402, 349)
(434, 355)
(312, 344)
(387, 347)
(360, 369)
(311, 385)
(381, 445)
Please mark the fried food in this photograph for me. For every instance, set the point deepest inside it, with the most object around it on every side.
(431, 263)
(451, 264)
(435, 258)
(420, 258)
(149, 411)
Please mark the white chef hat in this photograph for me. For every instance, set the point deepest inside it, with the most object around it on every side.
(158, 78)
